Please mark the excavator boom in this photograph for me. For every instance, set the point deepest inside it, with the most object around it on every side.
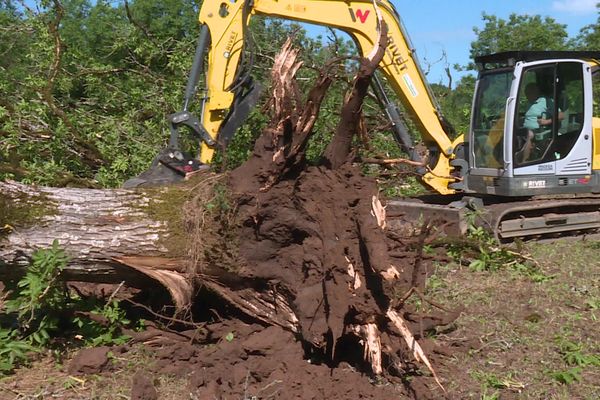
(230, 92)
(228, 24)
(508, 152)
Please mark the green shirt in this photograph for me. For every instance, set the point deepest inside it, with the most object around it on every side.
(534, 112)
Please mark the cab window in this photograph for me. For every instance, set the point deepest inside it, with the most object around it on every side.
(488, 119)
(549, 114)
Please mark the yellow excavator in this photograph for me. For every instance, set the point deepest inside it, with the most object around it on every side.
(531, 158)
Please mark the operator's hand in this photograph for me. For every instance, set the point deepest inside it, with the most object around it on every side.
(544, 121)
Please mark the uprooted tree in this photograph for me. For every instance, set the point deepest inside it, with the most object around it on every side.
(306, 248)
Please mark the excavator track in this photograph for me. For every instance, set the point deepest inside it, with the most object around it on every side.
(545, 218)
(535, 218)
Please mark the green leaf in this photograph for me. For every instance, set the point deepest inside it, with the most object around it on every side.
(477, 265)
(567, 377)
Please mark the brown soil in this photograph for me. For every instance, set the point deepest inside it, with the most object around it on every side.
(297, 240)
(267, 363)
(90, 361)
(142, 387)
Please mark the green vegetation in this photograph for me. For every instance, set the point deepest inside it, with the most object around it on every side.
(576, 359)
(13, 351)
(492, 381)
(40, 308)
(39, 298)
(482, 252)
(519, 32)
(95, 114)
(523, 338)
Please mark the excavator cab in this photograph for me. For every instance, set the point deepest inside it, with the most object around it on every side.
(531, 124)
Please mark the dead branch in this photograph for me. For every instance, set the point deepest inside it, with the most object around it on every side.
(392, 161)
(136, 23)
(339, 149)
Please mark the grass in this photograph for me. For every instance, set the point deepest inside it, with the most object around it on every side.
(532, 338)
(47, 379)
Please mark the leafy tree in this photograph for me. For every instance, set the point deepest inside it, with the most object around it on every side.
(589, 39)
(95, 114)
(85, 85)
(170, 19)
(519, 32)
(589, 36)
(108, 90)
(456, 103)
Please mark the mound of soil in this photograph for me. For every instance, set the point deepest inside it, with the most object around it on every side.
(312, 267)
(266, 364)
(312, 241)
(305, 255)
(310, 253)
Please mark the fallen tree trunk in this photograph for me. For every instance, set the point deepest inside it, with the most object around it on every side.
(96, 225)
(113, 236)
(110, 236)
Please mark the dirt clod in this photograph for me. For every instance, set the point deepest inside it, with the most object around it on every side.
(142, 387)
(90, 361)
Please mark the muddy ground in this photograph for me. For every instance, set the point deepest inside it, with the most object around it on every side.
(504, 346)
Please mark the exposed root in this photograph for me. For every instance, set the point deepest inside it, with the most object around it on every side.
(371, 341)
(209, 218)
(179, 287)
(378, 212)
(311, 246)
(412, 343)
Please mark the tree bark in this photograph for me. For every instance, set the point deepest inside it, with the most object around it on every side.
(114, 236)
(110, 236)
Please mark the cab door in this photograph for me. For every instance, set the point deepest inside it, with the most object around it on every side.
(549, 134)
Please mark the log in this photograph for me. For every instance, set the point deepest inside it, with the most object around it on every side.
(117, 235)
(110, 236)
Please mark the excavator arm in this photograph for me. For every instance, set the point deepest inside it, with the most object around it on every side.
(230, 95)
(230, 92)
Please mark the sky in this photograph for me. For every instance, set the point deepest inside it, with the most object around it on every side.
(439, 26)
